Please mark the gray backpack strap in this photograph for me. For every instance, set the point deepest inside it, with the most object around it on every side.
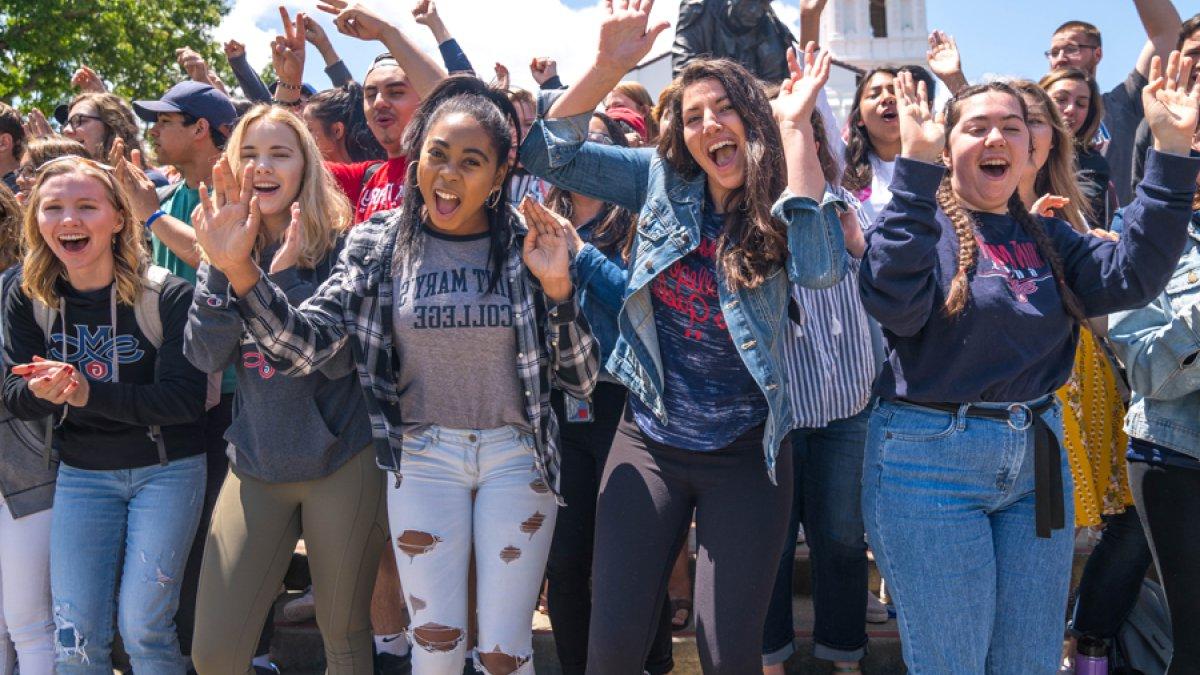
(149, 321)
(45, 316)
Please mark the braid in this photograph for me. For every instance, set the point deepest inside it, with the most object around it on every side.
(968, 248)
(1033, 228)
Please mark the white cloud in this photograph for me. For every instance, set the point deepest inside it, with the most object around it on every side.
(509, 31)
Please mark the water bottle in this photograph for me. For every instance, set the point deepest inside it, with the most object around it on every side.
(1091, 656)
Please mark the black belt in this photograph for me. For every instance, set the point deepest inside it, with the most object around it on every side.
(1049, 511)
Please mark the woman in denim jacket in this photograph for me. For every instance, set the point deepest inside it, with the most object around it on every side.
(1160, 346)
(702, 331)
(981, 303)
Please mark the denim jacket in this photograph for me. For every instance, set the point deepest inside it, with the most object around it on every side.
(1160, 347)
(669, 213)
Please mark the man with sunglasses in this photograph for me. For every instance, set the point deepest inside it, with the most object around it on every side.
(1077, 44)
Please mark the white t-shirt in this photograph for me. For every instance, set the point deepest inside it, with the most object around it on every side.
(881, 187)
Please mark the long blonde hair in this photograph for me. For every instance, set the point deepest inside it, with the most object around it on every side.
(43, 269)
(324, 210)
(1058, 175)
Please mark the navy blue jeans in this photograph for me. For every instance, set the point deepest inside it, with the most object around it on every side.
(827, 464)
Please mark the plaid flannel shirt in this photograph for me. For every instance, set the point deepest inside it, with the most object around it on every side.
(554, 344)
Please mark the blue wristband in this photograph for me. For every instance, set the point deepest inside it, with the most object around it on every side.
(153, 217)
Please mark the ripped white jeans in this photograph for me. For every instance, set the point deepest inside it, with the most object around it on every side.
(25, 615)
(435, 520)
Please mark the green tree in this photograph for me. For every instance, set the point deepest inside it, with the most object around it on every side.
(129, 43)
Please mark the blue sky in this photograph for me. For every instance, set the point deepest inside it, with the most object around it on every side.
(995, 36)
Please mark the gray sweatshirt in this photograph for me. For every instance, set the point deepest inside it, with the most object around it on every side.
(285, 429)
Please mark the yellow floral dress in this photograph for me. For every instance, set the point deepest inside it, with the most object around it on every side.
(1093, 415)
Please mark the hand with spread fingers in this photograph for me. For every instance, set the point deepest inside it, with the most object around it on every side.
(229, 218)
(36, 125)
(1172, 103)
(288, 255)
(546, 251)
(798, 94)
(922, 137)
(625, 34)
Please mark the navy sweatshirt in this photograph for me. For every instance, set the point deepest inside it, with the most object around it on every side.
(1014, 340)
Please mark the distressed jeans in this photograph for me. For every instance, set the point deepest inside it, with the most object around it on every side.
(948, 502)
(460, 491)
(150, 514)
(25, 615)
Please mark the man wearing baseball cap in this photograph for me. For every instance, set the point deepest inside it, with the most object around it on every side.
(189, 126)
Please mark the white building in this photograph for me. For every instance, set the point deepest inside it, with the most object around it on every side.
(868, 34)
(862, 33)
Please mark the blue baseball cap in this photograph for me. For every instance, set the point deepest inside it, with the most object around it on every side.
(194, 98)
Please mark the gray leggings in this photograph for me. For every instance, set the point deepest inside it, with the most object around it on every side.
(647, 495)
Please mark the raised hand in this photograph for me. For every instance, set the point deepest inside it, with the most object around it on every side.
(546, 250)
(192, 63)
(314, 33)
(543, 68)
(36, 125)
(229, 217)
(288, 255)
(287, 50)
(943, 56)
(798, 94)
(87, 81)
(1172, 104)
(234, 50)
(921, 136)
(355, 20)
(143, 198)
(502, 77)
(625, 36)
(425, 13)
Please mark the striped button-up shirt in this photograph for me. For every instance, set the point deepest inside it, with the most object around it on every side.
(831, 359)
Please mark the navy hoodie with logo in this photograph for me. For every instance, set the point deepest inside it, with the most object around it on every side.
(153, 386)
(1014, 340)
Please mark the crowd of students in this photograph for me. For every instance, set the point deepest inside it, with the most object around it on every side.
(467, 340)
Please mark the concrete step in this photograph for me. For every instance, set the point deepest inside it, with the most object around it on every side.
(297, 647)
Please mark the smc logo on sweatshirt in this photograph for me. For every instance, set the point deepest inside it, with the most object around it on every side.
(92, 350)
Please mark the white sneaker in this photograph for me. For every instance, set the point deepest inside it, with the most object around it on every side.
(877, 612)
(301, 609)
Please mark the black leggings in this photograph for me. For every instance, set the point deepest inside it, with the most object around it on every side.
(646, 500)
(585, 449)
(1168, 500)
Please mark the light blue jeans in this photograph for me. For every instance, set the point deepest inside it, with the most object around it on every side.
(948, 503)
(150, 515)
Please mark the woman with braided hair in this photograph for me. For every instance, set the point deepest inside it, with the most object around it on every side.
(981, 304)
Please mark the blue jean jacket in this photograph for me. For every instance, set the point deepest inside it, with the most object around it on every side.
(669, 212)
(1160, 347)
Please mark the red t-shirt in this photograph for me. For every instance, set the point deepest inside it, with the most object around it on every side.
(385, 189)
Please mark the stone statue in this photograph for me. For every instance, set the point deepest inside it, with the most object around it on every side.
(746, 31)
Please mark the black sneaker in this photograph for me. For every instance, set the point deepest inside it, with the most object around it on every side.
(390, 664)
